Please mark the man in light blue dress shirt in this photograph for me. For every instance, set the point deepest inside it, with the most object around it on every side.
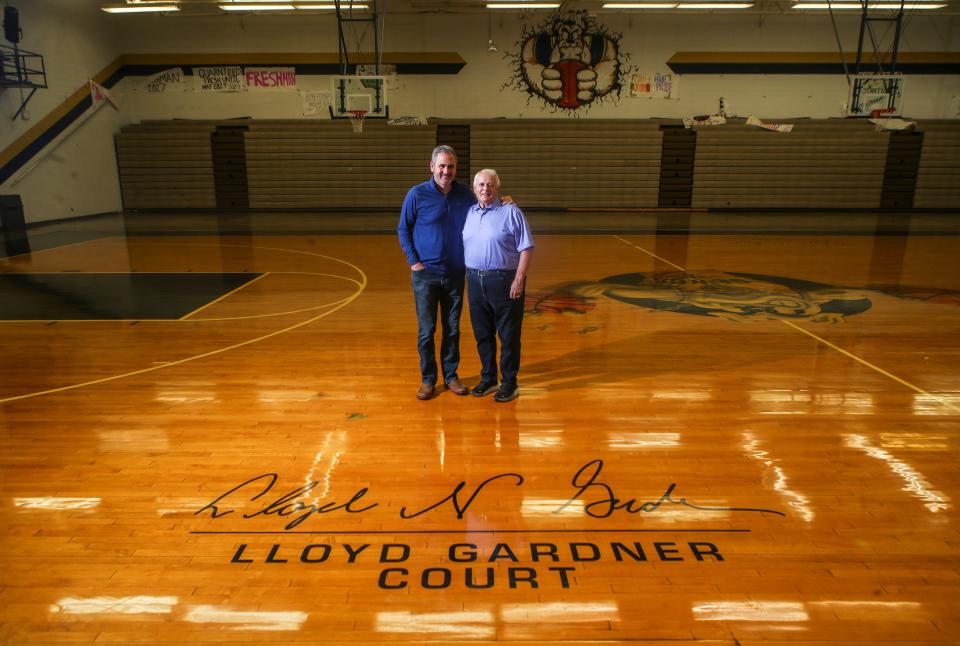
(498, 247)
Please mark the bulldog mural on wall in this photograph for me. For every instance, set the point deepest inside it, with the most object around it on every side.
(569, 61)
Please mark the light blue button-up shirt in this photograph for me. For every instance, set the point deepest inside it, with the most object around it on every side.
(493, 237)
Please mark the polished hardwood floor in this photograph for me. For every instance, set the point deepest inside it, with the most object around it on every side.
(725, 435)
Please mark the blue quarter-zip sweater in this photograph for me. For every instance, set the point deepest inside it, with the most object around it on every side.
(431, 226)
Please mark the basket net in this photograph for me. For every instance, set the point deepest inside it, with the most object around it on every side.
(356, 119)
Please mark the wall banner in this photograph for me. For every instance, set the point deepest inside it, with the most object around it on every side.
(658, 85)
(170, 80)
(315, 103)
(270, 78)
(223, 78)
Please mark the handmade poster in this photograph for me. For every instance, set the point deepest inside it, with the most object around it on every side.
(222, 78)
(658, 85)
(170, 80)
(270, 78)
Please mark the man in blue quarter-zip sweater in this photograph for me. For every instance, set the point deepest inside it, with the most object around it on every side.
(430, 231)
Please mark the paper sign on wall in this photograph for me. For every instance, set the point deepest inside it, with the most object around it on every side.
(223, 78)
(315, 103)
(659, 85)
(170, 80)
(100, 94)
(270, 78)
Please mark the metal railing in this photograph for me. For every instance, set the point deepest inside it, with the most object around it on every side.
(23, 69)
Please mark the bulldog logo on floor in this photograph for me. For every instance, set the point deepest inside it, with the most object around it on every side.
(734, 296)
(569, 61)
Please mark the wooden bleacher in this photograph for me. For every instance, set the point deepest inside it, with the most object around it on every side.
(552, 163)
(821, 164)
(546, 163)
(166, 165)
(325, 164)
(937, 175)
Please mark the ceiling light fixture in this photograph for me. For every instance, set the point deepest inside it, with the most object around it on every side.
(146, 8)
(640, 5)
(856, 6)
(714, 5)
(257, 7)
(332, 7)
(523, 5)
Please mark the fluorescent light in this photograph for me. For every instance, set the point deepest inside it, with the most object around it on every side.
(524, 5)
(257, 7)
(640, 5)
(714, 5)
(856, 6)
(153, 8)
(331, 7)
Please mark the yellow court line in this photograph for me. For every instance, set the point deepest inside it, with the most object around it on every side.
(649, 253)
(362, 287)
(221, 319)
(262, 316)
(230, 293)
(870, 365)
(824, 341)
(6, 259)
(195, 357)
(195, 320)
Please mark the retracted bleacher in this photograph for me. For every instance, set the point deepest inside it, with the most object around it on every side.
(166, 165)
(820, 164)
(937, 176)
(297, 164)
(553, 163)
(547, 163)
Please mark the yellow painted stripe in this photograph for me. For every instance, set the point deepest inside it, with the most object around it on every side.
(824, 341)
(322, 58)
(362, 287)
(44, 124)
(653, 255)
(291, 58)
(193, 358)
(809, 57)
(227, 295)
(201, 320)
(872, 366)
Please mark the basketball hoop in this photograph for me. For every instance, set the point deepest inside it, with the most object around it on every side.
(356, 119)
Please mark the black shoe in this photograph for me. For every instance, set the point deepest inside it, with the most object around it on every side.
(484, 388)
(506, 393)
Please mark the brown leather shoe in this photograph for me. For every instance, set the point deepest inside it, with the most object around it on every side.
(425, 392)
(456, 387)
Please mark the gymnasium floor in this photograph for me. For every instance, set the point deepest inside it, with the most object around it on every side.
(732, 429)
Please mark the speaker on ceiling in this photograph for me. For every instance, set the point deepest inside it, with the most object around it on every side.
(11, 25)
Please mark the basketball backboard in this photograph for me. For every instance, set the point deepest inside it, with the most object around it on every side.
(353, 93)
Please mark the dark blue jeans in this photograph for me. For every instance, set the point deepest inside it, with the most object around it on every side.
(493, 313)
(433, 291)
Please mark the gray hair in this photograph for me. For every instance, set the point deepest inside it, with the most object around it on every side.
(439, 150)
(492, 173)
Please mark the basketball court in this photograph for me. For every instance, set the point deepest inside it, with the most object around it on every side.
(739, 389)
(721, 438)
